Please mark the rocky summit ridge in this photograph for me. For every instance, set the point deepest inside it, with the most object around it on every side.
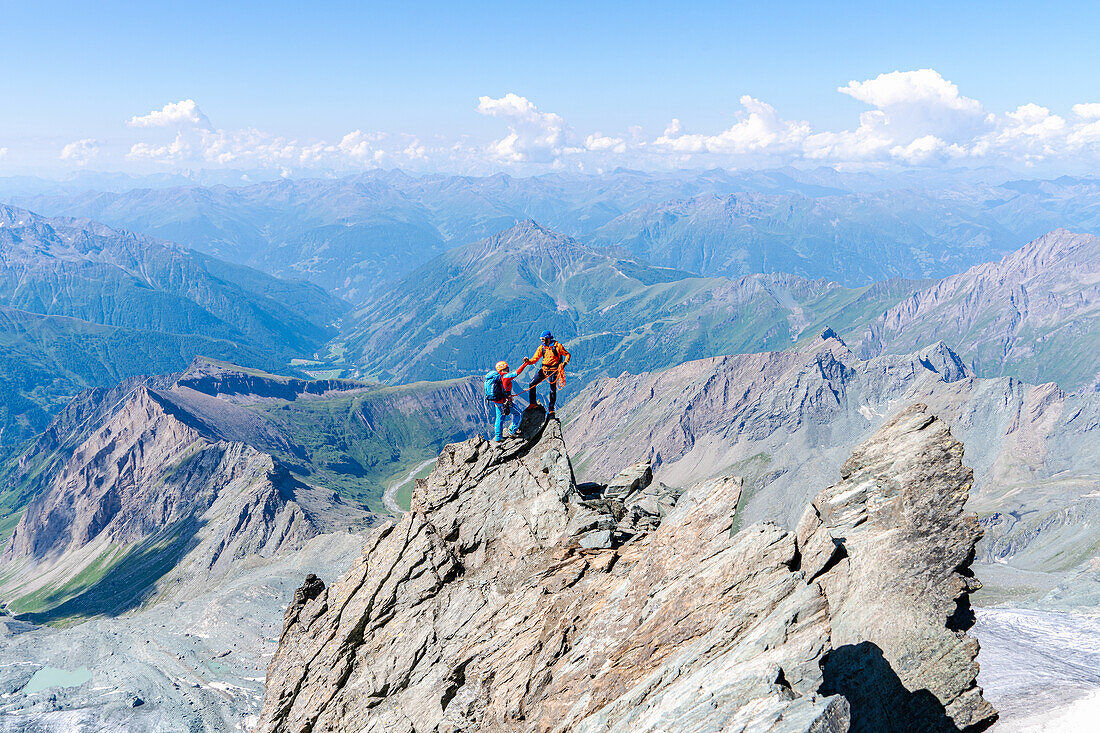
(510, 598)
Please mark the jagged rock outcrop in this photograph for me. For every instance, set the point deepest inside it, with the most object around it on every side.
(1035, 314)
(786, 421)
(891, 547)
(482, 609)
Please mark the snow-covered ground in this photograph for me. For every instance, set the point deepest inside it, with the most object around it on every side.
(1040, 669)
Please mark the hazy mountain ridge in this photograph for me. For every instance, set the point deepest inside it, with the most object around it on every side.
(854, 239)
(488, 300)
(1034, 314)
(83, 305)
(351, 234)
(176, 478)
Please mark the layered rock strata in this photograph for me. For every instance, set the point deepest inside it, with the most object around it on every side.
(484, 608)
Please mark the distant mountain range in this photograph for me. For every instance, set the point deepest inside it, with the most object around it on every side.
(473, 305)
(160, 439)
(161, 484)
(1035, 314)
(352, 234)
(853, 238)
(83, 305)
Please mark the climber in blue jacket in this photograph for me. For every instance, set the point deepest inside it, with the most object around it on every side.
(498, 392)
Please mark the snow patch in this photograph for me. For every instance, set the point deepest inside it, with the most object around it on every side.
(869, 412)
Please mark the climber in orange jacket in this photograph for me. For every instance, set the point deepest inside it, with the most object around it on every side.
(554, 358)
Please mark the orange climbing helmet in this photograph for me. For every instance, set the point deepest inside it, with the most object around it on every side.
(502, 367)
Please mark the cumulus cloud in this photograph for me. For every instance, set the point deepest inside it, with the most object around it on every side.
(918, 118)
(912, 118)
(924, 87)
(1090, 111)
(80, 151)
(181, 113)
(758, 129)
(598, 142)
(198, 142)
(533, 136)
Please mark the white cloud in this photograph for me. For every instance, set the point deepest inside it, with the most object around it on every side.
(3, 152)
(870, 141)
(914, 118)
(533, 136)
(362, 146)
(906, 88)
(184, 112)
(1090, 111)
(80, 151)
(250, 147)
(599, 142)
(920, 151)
(758, 129)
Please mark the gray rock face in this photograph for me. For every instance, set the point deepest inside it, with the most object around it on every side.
(893, 657)
(498, 604)
(786, 422)
(1034, 314)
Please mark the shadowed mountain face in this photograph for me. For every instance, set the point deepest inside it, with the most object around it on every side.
(1035, 314)
(489, 300)
(83, 305)
(166, 485)
(512, 599)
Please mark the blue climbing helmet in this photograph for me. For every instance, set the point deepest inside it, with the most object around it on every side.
(547, 335)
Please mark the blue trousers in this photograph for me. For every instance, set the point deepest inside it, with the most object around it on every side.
(504, 410)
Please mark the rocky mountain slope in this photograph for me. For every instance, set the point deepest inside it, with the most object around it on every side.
(83, 305)
(165, 486)
(786, 419)
(1035, 314)
(511, 598)
(195, 663)
(488, 300)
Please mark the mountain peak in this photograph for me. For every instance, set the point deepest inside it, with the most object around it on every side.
(531, 239)
(655, 578)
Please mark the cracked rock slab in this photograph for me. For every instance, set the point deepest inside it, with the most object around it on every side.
(479, 611)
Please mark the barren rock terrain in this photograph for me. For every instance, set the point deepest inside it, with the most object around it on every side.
(487, 608)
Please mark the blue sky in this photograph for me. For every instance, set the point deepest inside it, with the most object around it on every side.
(292, 77)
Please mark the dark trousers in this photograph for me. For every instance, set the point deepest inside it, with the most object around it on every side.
(553, 376)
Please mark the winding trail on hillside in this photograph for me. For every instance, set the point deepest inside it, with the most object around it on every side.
(389, 499)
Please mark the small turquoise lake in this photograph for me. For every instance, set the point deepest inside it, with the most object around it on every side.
(48, 677)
